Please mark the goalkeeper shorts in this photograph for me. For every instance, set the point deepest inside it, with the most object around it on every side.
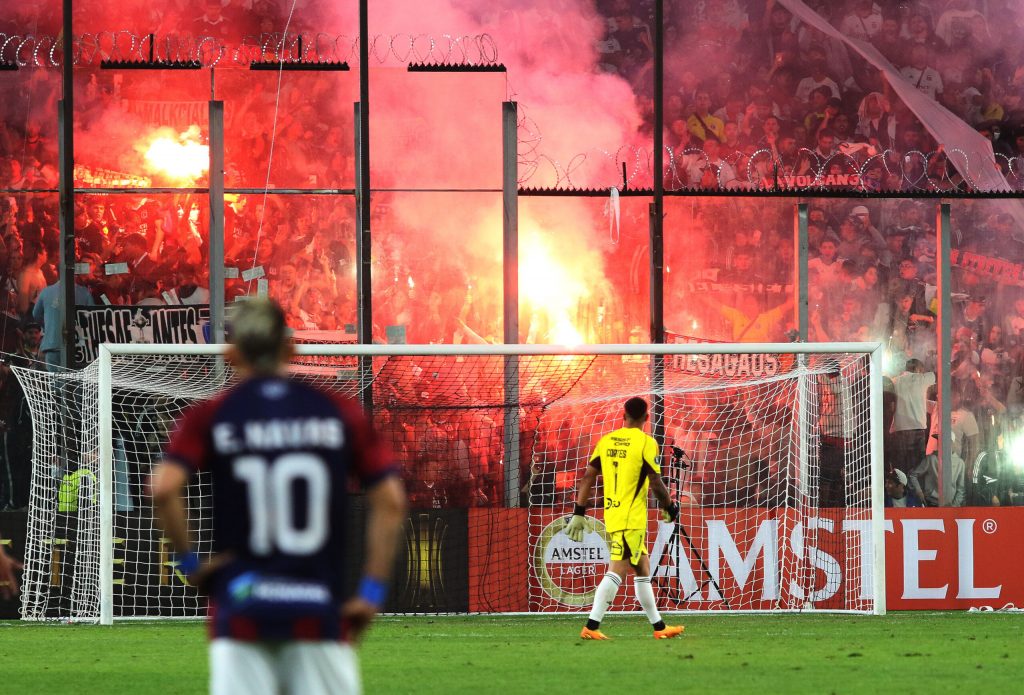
(630, 544)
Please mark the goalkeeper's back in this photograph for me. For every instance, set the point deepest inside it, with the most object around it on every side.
(625, 458)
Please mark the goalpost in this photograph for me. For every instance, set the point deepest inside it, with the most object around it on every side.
(773, 450)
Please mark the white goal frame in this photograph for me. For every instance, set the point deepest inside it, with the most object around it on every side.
(873, 350)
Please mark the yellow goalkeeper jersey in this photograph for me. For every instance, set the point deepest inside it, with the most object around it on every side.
(625, 457)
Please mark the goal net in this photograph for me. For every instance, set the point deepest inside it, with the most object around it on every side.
(773, 451)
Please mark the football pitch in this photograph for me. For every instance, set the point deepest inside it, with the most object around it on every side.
(901, 652)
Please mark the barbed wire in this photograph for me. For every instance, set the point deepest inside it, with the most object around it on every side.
(47, 51)
(941, 170)
(944, 170)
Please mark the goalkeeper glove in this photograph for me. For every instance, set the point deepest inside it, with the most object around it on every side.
(187, 562)
(576, 527)
(671, 512)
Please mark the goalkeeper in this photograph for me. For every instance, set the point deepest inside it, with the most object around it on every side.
(628, 461)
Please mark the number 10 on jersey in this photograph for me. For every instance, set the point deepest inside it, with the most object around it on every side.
(273, 498)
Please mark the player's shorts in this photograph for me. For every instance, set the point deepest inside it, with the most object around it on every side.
(298, 668)
(630, 543)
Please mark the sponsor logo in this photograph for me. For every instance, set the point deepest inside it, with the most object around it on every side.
(568, 571)
(250, 587)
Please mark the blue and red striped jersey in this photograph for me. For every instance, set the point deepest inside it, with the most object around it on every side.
(281, 455)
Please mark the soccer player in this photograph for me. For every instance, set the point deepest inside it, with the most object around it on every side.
(280, 454)
(628, 461)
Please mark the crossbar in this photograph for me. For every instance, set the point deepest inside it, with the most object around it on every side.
(506, 349)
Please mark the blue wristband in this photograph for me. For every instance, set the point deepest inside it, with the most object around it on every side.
(373, 591)
(187, 562)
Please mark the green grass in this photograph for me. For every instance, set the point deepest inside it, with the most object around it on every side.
(902, 652)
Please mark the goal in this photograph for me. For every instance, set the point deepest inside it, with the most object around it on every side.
(773, 450)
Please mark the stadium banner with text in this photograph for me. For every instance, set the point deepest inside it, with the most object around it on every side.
(949, 557)
(936, 558)
(138, 324)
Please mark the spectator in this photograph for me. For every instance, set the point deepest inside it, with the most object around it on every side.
(823, 269)
(701, 123)
(1014, 323)
(868, 283)
(820, 155)
(974, 315)
(31, 281)
(822, 107)
(852, 237)
(864, 22)
(908, 330)
(988, 480)
(909, 426)
(996, 361)
(213, 21)
(874, 121)
(842, 127)
(924, 480)
(732, 112)
(757, 113)
(888, 41)
(817, 78)
(920, 74)
(834, 397)
(919, 32)
(47, 311)
(31, 333)
(897, 493)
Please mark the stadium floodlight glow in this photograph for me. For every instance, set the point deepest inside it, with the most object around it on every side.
(753, 422)
(1015, 449)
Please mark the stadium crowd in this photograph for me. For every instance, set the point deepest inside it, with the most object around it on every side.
(772, 99)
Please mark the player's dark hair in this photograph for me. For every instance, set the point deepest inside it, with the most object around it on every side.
(258, 331)
(636, 408)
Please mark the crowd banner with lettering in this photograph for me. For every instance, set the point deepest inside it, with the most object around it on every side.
(740, 366)
(936, 558)
(173, 114)
(185, 325)
(808, 180)
(1002, 271)
(760, 288)
(140, 325)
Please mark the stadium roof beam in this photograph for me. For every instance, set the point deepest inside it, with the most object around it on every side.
(456, 67)
(771, 193)
(300, 65)
(150, 65)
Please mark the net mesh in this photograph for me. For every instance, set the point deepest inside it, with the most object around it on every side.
(768, 454)
(769, 457)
